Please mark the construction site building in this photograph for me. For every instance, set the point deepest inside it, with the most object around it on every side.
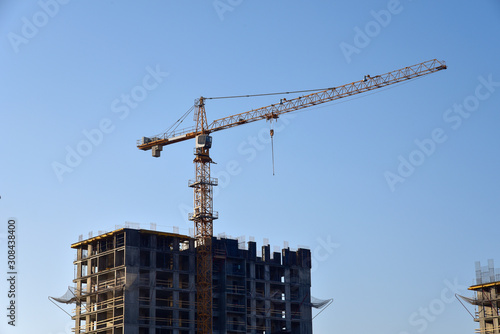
(134, 281)
(487, 298)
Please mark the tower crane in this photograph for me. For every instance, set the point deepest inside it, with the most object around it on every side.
(203, 214)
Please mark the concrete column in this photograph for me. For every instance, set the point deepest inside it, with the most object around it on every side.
(131, 293)
(288, 305)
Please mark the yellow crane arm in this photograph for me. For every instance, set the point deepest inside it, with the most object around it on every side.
(273, 111)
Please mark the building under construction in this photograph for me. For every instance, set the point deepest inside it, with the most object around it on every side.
(486, 298)
(143, 281)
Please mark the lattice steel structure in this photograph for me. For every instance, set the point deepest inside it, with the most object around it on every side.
(203, 217)
(203, 214)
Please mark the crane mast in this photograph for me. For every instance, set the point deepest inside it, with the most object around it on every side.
(203, 214)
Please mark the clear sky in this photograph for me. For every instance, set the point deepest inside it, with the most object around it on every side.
(396, 193)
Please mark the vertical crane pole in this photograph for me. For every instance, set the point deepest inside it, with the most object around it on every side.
(203, 217)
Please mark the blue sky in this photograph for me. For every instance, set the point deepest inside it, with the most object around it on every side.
(390, 254)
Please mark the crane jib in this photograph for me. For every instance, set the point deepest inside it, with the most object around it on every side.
(273, 111)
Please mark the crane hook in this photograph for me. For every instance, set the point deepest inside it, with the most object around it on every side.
(271, 132)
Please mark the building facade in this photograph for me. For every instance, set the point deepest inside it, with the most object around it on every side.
(487, 298)
(144, 282)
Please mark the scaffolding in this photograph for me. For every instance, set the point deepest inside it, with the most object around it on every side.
(486, 298)
(99, 285)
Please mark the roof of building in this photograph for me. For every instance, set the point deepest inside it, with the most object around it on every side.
(481, 286)
(109, 234)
